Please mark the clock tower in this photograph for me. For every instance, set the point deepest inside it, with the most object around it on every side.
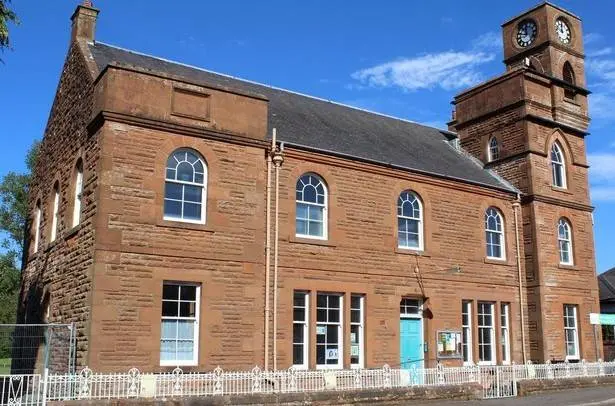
(529, 125)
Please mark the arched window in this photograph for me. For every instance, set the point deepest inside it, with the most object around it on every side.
(37, 225)
(493, 151)
(564, 237)
(185, 188)
(409, 221)
(558, 166)
(78, 192)
(311, 214)
(54, 211)
(494, 233)
(568, 76)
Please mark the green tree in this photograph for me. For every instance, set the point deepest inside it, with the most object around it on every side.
(13, 220)
(6, 16)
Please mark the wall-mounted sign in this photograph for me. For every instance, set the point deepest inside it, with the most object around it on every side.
(602, 318)
(448, 344)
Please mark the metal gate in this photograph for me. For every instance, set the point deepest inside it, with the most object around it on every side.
(498, 381)
(29, 349)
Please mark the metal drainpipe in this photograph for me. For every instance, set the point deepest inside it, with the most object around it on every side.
(268, 252)
(277, 162)
(517, 205)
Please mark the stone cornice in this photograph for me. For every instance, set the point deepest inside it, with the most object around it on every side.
(97, 122)
(557, 202)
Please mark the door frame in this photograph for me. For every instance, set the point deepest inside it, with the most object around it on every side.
(414, 316)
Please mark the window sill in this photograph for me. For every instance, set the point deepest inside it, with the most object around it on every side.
(561, 189)
(185, 225)
(311, 241)
(52, 244)
(496, 261)
(571, 101)
(571, 267)
(414, 252)
(72, 232)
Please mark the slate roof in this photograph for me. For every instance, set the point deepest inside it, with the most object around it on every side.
(317, 124)
(606, 285)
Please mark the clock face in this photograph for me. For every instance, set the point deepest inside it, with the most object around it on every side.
(526, 33)
(562, 30)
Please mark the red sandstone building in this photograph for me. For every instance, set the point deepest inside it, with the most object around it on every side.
(174, 231)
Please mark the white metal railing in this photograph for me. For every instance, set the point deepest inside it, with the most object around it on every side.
(497, 381)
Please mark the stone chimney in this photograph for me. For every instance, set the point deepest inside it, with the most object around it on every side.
(84, 22)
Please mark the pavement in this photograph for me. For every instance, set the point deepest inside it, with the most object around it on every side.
(596, 396)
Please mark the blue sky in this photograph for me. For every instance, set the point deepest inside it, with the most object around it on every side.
(403, 58)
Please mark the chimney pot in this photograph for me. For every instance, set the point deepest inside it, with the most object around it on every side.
(84, 22)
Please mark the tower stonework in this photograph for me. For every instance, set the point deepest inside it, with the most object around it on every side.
(511, 123)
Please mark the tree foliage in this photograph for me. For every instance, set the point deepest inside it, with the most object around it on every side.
(13, 220)
(6, 16)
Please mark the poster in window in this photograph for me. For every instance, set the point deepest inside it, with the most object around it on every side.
(321, 330)
(354, 351)
(331, 353)
(448, 344)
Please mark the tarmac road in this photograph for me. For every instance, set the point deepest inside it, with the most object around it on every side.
(596, 396)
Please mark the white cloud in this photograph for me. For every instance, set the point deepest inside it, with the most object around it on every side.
(592, 37)
(448, 70)
(489, 40)
(603, 193)
(600, 52)
(602, 167)
(601, 106)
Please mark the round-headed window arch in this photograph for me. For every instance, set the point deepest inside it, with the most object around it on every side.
(494, 234)
(185, 189)
(311, 207)
(409, 221)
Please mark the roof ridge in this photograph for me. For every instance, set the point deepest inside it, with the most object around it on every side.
(274, 87)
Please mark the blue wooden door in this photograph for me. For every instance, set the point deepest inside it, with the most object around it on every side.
(411, 343)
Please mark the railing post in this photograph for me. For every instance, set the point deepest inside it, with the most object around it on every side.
(256, 379)
(601, 366)
(134, 382)
(85, 377)
(218, 381)
(177, 381)
(45, 383)
(386, 371)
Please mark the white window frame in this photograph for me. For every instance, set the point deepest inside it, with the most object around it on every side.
(196, 319)
(575, 329)
(491, 329)
(466, 309)
(54, 213)
(203, 186)
(37, 226)
(565, 240)
(505, 332)
(340, 332)
(306, 330)
(418, 219)
(361, 330)
(493, 149)
(499, 221)
(558, 166)
(78, 193)
(324, 206)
